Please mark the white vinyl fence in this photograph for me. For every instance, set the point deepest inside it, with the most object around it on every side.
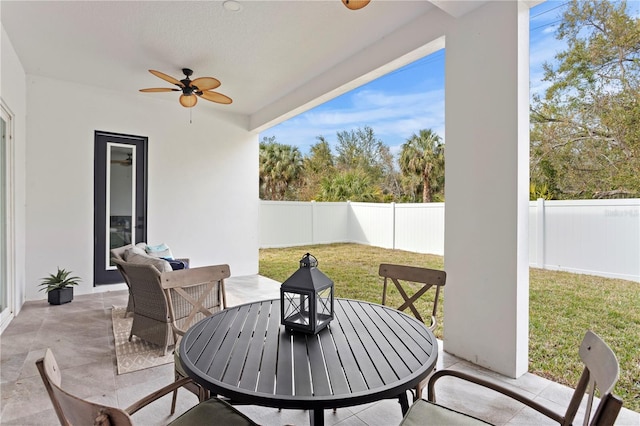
(596, 237)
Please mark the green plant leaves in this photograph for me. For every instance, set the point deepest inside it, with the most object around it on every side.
(60, 279)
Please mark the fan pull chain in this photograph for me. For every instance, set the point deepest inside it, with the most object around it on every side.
(190, 115)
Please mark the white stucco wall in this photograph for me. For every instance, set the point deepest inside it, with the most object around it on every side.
(13, 95)
(202, 181)
(486, 254)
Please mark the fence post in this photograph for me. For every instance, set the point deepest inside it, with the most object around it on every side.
(540, 232)
(349, 214)
(313, 222)
(393, 225)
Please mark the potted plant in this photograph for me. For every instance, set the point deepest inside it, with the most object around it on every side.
(59, 287)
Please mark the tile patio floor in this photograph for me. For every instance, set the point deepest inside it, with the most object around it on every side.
(81, 337)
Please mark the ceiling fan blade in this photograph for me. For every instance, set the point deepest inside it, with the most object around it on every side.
(166, 78)
(205, 83)
(216, 97)
(159, 89)
(188, 101)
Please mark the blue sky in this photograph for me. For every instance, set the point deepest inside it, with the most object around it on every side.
(395, 106)
(411, 98)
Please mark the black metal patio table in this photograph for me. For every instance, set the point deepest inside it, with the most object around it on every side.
(367, 353)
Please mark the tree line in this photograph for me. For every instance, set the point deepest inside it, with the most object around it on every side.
(585, 130)
(361, 169)
(584, 136)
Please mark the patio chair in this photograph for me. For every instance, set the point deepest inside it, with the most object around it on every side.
(151, 319)
(150, 314)
(191, 298)
(155, 315)
(72, 410)
(402, 274)
(118, 253)
(600, 373)
(413, 274)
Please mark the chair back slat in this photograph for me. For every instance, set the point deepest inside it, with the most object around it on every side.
(600, 361)
(195, 295)
(603, 370)
(413, 274)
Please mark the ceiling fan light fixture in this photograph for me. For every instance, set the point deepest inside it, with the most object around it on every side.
(188, 101)
(355, 4)
(191, 89)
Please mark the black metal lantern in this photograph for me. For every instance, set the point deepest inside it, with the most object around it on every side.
(306, 298)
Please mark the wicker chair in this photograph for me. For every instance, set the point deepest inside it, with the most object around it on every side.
(151, 317)
(150, 314)
(119, 254)
(162, 315)
(72, 410)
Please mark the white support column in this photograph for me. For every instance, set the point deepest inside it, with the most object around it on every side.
(486, 304)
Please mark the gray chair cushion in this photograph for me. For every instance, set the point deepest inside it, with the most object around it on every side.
(423, 413)
(212, 411)
(138, 256)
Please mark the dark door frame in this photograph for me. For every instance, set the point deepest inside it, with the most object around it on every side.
(103, 273)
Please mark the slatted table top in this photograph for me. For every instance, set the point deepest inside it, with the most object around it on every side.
(367, 353)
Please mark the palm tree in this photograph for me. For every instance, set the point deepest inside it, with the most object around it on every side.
(354, 185)
(280, 167)
(423, 155)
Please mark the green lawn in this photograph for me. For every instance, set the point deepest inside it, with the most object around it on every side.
(562, 307)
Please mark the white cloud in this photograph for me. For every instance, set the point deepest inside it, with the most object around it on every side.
(394, 117)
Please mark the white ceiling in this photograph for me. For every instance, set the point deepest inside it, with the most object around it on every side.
(260, 53)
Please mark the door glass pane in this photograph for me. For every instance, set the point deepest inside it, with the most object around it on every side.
(121, 196)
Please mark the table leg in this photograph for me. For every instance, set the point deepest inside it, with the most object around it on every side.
(316, 417)
(404, 403)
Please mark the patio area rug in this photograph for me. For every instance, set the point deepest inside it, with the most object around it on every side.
(137, 354)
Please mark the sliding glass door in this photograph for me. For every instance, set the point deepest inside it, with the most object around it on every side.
(7, 285)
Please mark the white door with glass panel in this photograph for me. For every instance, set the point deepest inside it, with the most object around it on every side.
(120, 203)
